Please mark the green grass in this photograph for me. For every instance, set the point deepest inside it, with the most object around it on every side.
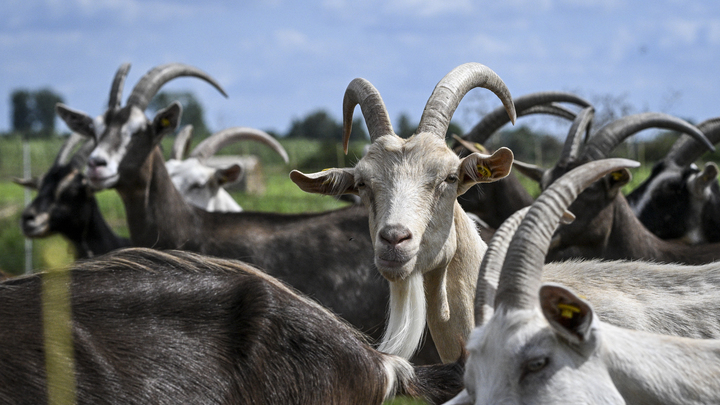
(281, 194)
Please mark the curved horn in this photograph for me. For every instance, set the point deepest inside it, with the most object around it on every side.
(580, 126)
(182, 143)
(447, 94)
(611, 135)
(686, 149)
(362, 92)
(67, 147)
(549, 109)
(521, 274)
(491, 265)
(221, 139)
(498, 117)
(115, 99)
(149, 84)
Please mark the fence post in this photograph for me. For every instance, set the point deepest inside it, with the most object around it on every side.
(27, 174)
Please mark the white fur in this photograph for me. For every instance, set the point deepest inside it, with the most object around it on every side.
(614, 365)
(197, 184)
(406, 320)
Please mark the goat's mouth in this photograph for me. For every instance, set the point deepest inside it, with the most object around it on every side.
(34, 229)
(99, 181)
(394, 264)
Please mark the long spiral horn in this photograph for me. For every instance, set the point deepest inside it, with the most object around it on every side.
(447, 94)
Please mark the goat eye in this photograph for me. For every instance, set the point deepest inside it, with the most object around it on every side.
(452, 178)
(360, 185)
(535, 365)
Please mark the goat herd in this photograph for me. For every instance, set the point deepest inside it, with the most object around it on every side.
(626, 309)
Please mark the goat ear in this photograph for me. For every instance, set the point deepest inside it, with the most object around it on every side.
(166, 120)
(616, 180)
(328, 181)
(76, 120)
(479, 168)
(32, 183)
(229, 175)
(570, 316)
(704, 179)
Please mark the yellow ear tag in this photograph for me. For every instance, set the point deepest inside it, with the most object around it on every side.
(567, 310)
(165, 122)
(483, 172)
(617, 176)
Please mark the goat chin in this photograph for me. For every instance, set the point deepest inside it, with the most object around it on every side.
(407, 317)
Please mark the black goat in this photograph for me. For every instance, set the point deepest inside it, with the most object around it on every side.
(678, 200)
(179, 328)
(66, 204)
(605, 226)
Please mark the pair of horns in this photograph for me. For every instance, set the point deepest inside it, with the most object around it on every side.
(439, 108)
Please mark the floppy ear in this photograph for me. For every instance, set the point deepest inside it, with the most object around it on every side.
(328, 181)
(570, 316)
(615, 181)
(229, 175)
(166, 120)
(76, 120)
(479, 168)
(32, 183)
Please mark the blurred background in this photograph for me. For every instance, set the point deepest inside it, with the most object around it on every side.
(285, 66)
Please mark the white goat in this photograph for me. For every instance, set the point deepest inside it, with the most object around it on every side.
(424, 243)
(544, 344)
(202, 185)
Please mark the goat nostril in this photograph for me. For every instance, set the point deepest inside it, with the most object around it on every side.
(395, 234)
(94, 162)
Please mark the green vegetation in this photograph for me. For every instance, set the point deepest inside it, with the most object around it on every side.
(281, 194)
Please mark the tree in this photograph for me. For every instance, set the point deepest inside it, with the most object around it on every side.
(192, 114)
(320, 125)
(21, 111)
(33, 112)
(45, 101)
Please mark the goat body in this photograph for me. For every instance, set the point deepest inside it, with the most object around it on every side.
(176, 327)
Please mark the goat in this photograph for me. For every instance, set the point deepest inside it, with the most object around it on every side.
(425, 244)
(544, 344)
(180, 328)
(202, 185)
(495, 202)
(328, 255)
(605, 226)
(66, 205)
(677, 200)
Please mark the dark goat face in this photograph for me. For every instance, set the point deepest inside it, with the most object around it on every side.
(125, 138)
(61, 204)
(594, 212)
(662, 202)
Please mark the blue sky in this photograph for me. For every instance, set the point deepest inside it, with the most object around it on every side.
(279, 60)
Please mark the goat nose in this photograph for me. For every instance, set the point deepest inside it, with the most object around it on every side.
(95, 161)
(395, 234)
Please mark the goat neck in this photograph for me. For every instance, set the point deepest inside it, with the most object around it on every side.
(149, 196)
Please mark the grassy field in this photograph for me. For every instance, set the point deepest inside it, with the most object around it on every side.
(281, 195)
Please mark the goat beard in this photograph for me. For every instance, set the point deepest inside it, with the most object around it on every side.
(406, 318)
